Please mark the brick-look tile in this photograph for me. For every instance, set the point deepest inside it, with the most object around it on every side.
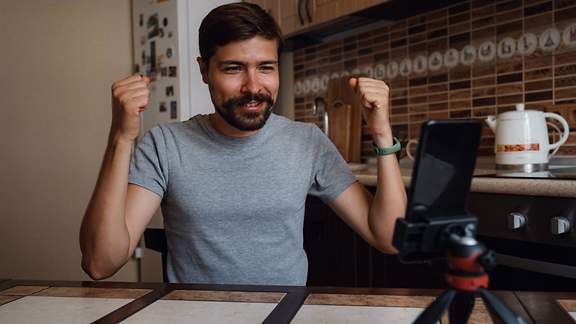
(539, 74)
(543, 80)
(536, 23)
(538, 85)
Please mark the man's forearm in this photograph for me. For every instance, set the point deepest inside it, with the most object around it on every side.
(104, 237)
(389, 202)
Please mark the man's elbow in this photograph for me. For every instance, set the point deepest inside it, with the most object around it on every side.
(387, 249)
(95, 270)
(384, 245)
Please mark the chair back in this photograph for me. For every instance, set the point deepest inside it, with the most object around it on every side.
(155, 239)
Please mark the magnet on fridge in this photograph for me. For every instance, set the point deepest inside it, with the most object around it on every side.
(165, 21)
(169, 34)
(136, 68)
(141, 20)
(152, 21)
(172, 71)
(154, 25)
(169, 52)
(173, 110)
(163, 107)
(143, 57)
(169, 91)
(164, 71)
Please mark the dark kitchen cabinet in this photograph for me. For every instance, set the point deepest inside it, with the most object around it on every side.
(294, 16)
(337, 256)
(330, 246)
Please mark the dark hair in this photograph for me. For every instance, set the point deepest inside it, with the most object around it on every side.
(235, 22)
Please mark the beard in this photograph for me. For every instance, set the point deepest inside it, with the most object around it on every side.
(231, 111)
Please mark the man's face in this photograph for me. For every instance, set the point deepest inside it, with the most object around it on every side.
(243, 81)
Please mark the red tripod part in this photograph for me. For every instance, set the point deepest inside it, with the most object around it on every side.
(466, 272)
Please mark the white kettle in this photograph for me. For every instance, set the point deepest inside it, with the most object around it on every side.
(522, 141)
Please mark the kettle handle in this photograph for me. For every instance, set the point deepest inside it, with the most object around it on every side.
(565, 133)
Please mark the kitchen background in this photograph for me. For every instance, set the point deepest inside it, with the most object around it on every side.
(60, 58)
(459, 61)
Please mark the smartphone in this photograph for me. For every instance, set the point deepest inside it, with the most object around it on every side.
(443, 169)
(438, 193)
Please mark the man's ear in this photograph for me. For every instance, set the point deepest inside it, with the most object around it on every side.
(203, 69)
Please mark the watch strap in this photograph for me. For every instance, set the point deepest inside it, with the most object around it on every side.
(381, 151)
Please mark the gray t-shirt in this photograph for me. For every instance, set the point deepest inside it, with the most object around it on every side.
(234, 207)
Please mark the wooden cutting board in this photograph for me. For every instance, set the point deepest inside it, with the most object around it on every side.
(344, 119)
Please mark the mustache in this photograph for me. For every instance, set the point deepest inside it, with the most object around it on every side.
(248, 97)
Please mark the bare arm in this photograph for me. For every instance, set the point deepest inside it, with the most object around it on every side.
(374, 217)
(117, 213)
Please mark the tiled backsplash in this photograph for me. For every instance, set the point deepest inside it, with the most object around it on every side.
(470, 60)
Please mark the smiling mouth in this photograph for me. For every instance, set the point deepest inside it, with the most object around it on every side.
(253, 105)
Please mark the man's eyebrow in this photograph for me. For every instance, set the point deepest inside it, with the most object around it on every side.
(232, 62)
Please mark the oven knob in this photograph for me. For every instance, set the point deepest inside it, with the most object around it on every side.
(559, 225)
(516, 220)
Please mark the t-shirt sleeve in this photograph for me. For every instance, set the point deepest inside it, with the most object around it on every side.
(331, 174)
(149, 167)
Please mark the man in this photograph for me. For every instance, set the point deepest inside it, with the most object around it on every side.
(232, 185)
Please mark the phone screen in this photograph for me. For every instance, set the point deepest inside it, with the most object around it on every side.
(443, 169)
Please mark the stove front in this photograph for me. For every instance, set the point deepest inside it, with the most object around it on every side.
(534, 234)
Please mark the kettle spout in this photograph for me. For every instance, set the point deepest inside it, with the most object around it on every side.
(491, 121)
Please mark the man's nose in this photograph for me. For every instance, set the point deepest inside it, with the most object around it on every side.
(251, 82)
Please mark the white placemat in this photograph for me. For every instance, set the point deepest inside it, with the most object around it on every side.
(44, 309)
(330, 314)
(184, 311)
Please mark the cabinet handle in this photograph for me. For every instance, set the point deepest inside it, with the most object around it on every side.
(300, 12)
(308, 11)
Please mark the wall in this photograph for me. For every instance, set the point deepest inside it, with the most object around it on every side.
(59, 59)
(428, 87)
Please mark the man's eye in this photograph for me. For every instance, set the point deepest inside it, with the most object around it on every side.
(233, 69)
(267, 68)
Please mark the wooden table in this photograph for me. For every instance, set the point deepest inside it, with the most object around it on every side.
(112, 302)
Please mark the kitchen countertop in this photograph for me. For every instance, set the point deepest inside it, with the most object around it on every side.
(366, 174)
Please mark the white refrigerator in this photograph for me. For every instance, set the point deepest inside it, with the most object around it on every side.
(165, 42)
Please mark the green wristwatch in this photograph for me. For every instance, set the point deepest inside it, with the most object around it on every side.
(380, 151)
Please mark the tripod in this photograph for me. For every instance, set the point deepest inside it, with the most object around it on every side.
(466, 278)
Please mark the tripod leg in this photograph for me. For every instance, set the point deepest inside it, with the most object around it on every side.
(461, 307)
(498, 308)
(433, 313)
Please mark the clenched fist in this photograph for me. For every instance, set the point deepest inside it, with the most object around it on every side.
(129, 98)
(374, 97)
